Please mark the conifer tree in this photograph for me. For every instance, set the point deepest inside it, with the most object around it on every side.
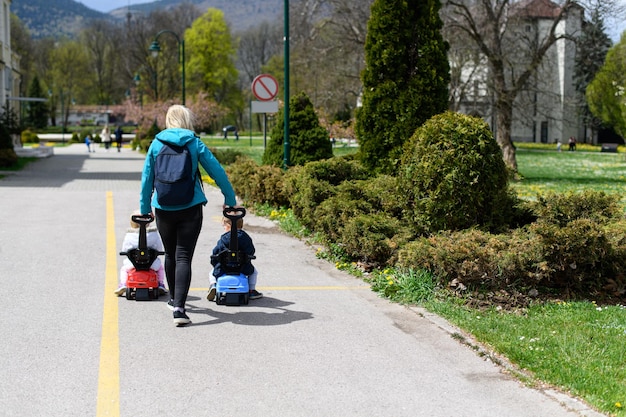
(308, 140)
(592, 47)
(37, 115)
(406, 78)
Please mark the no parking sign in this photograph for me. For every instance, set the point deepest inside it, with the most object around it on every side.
(265, 87)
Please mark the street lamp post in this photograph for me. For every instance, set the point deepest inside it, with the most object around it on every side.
(286, 144)
(155, 48)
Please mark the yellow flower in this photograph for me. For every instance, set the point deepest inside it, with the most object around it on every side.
(618, 404)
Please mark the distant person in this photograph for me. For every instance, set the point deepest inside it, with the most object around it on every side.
(106, 137)
(89, 143)
(119, 137)
(572, 143)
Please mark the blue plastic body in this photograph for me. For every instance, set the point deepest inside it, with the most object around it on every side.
(232, 289)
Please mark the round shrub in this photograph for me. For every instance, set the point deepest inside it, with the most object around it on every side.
(453, 175)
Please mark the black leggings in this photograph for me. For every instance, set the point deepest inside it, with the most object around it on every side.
(179, 232)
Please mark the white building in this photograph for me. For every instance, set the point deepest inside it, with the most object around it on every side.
(9, 61)
(546, 110)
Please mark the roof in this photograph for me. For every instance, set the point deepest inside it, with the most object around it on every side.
(536, 9)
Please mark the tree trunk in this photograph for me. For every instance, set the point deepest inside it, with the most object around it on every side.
(504, 120)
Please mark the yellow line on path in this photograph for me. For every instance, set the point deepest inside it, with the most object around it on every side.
(108, 403)
(306, 288)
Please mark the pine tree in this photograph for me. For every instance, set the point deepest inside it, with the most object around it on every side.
(37, 114)
(406, 78)
(592, 47)
(308, 140)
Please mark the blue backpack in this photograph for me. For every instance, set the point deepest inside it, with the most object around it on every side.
(174, 180)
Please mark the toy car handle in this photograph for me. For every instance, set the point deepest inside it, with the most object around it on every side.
(142, 218)
(234, 213)
(159, 252)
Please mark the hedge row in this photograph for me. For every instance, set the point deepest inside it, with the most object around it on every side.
(569, 244)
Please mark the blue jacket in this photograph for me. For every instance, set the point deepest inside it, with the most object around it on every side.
(244, 244)
(203, 155)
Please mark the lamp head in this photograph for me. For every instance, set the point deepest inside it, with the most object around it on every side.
(155, 48)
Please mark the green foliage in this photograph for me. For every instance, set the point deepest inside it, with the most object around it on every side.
(591, 50)
(406, 287)
(308, 140)
(574, 251)
(578, 256)
(37, 111)
(226, 156)
(6, 142)
(211, 51)
(29, 136)
(8, 158)
(370, 237)
(308, 186)
(453, 176)
(605, 94)
(257, 184)
(405, 81)
(562, 208)
(474, 258)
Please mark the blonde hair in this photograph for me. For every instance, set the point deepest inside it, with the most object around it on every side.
(132, 223)
(227, 223)
(179, 116)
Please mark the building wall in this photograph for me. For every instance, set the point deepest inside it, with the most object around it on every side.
(9, 61)
(545, 111)
(551, 96)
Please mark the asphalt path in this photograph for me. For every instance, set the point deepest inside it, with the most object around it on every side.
(320, 343)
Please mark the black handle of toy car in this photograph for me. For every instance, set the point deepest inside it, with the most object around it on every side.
(142, 218)
(234, 213)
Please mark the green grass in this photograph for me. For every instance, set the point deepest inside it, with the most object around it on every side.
(577, 347)
(254, 147)
(543, 172)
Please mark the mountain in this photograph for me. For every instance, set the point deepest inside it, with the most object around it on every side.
(57, 18)
(54, 17)
(241, 14)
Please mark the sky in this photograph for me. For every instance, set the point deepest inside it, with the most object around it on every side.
(106, 6)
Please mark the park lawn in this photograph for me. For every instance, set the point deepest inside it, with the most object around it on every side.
(550, 171)
(253, 147)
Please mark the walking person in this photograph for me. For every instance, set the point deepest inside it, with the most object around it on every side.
(176, 153)
(106, 137)
(119, 137)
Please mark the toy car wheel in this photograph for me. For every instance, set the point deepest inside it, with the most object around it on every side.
(246, 298)
(129, 294)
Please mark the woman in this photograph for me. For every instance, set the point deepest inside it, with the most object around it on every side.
(180, 225)
(105, 135)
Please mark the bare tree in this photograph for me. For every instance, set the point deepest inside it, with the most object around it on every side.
(506, 34)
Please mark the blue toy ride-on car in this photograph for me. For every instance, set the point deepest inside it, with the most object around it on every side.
(232, 288)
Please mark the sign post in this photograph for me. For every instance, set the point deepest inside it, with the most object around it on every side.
(264, 88)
